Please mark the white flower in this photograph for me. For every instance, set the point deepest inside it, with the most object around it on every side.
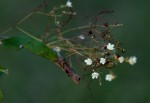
(110, 46)
(56, 49)
(109, 77)
(69, 3)
(88, 61)
(95, 75)
(102, 61)
(132, 60)
(82, 37)
(121, 59)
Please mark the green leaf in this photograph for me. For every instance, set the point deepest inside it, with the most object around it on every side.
(31, 44)
(1, 95)
(3, 70)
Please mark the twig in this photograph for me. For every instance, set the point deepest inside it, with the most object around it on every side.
(20, 29)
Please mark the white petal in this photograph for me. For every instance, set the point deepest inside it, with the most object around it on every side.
(132, 60)
(109, 77)
(102, 61)
(110, 46)
(121, 59)
(69, 3)
(95, 75)
(88, 61)
(82, 37)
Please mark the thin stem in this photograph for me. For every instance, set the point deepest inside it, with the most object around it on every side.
(25, 18)
(53, 42)
(48, 14)
(76, 28)
(73, 29)
(7, 30)
(20, 29)
(21, 21)
(41, 13)
(84, 27)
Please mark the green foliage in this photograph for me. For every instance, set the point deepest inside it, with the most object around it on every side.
(3, 70)
(31, 44)
(1, 95)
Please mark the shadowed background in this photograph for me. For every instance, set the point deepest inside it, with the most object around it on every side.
(33, 79)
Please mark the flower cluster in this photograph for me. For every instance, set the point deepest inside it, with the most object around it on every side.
(104, 61)
(93, 44)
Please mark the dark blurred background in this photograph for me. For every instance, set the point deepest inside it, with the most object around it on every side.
(33, 79)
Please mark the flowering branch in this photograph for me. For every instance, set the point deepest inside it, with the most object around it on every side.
(93, 44)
